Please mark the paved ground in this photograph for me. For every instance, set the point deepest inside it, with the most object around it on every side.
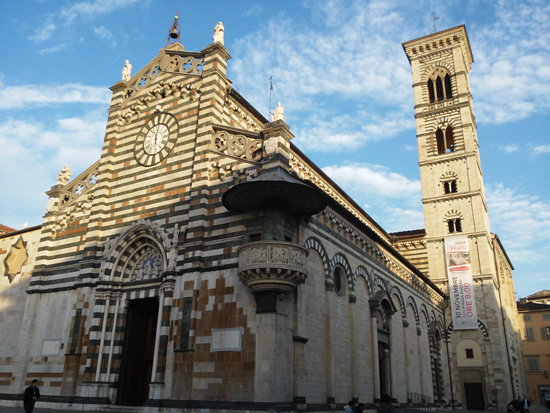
(113, 409)
(39, 409)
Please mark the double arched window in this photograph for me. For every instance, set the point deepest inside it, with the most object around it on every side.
(454, 221)
(455, 225)
(445, 141)
(439, 88)
(450, 187)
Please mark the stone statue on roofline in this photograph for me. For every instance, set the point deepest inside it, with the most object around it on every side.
(218, 33)
(278, 113)
(127, 71)
(64, 176)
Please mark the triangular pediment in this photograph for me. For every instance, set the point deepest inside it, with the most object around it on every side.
(382, 295)
(151, 81)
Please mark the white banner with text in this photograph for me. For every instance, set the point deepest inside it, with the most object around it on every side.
(461, 289)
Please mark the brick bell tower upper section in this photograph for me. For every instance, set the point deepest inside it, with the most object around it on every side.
(450, 168)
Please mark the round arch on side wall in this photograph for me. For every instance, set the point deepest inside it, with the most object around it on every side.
(424, 311)
(378, 282)
(340, 259)
(480, 325)
(412, 303)
(361, 271)
(316, 245)
(397, 292)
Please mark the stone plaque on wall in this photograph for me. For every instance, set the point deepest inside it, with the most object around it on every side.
(51, 347)
(226, 339)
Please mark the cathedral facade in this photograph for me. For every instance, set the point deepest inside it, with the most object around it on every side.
(204, 262)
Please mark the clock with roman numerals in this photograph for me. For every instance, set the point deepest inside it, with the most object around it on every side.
(156, 139)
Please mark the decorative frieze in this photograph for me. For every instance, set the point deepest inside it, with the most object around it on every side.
(78, 188)
(237, 145)
(172, 61)
(272, 265)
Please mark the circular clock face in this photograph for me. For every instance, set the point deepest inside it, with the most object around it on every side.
(156, 139)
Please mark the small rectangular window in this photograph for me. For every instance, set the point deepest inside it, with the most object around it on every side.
(529, 334)
(546, 316)
(73, 344)
(545, 333)
(533, 364)
(186, 323)
(469, 353)
(255, 237)
(526, 317)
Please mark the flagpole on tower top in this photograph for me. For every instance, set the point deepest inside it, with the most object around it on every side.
(270, 90)
(435, 18)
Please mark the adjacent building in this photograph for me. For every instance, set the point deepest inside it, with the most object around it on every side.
(534, 311)
(205, 262)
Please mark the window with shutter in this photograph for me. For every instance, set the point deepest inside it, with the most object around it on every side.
(533, 363)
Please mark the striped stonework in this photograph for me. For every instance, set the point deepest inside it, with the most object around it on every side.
(146, 286)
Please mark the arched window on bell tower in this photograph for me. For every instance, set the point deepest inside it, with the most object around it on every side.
(448, 88)
(445, 142)
(454, 225)
(439, 85)
(449, 140)
(439, 89)
(453, 219)
(450, 186)
(431, 93)
(440, 142)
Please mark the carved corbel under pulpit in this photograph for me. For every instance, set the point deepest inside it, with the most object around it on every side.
(271, 268)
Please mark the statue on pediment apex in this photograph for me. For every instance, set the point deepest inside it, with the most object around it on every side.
(127, 71)
(64, 176)
(218, 33)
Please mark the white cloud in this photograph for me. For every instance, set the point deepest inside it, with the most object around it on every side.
(255, 10)
(522, 222)
(541, 149)
(32, 96)
(44, 33)
(58, 21)
(512, 77)
(391, 199)
(36, 152)
(368, 180)
(341, 132)
(48, 50)
(346, 55)
(403, 219)
(340, 82)
(91, 9)
(512, 148)
(106, 35)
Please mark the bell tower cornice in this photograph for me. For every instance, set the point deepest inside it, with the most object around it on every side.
(433, 43)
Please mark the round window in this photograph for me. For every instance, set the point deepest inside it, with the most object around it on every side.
(339, 278)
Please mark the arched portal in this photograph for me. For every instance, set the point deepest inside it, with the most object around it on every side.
(383, 308)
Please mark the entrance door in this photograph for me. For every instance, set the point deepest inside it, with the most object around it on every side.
(474, 396)
(138, 352)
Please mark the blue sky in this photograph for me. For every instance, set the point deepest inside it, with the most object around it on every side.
(340, 72)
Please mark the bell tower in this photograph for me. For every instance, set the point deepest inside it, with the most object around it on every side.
(450, 167)
(484, 372)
